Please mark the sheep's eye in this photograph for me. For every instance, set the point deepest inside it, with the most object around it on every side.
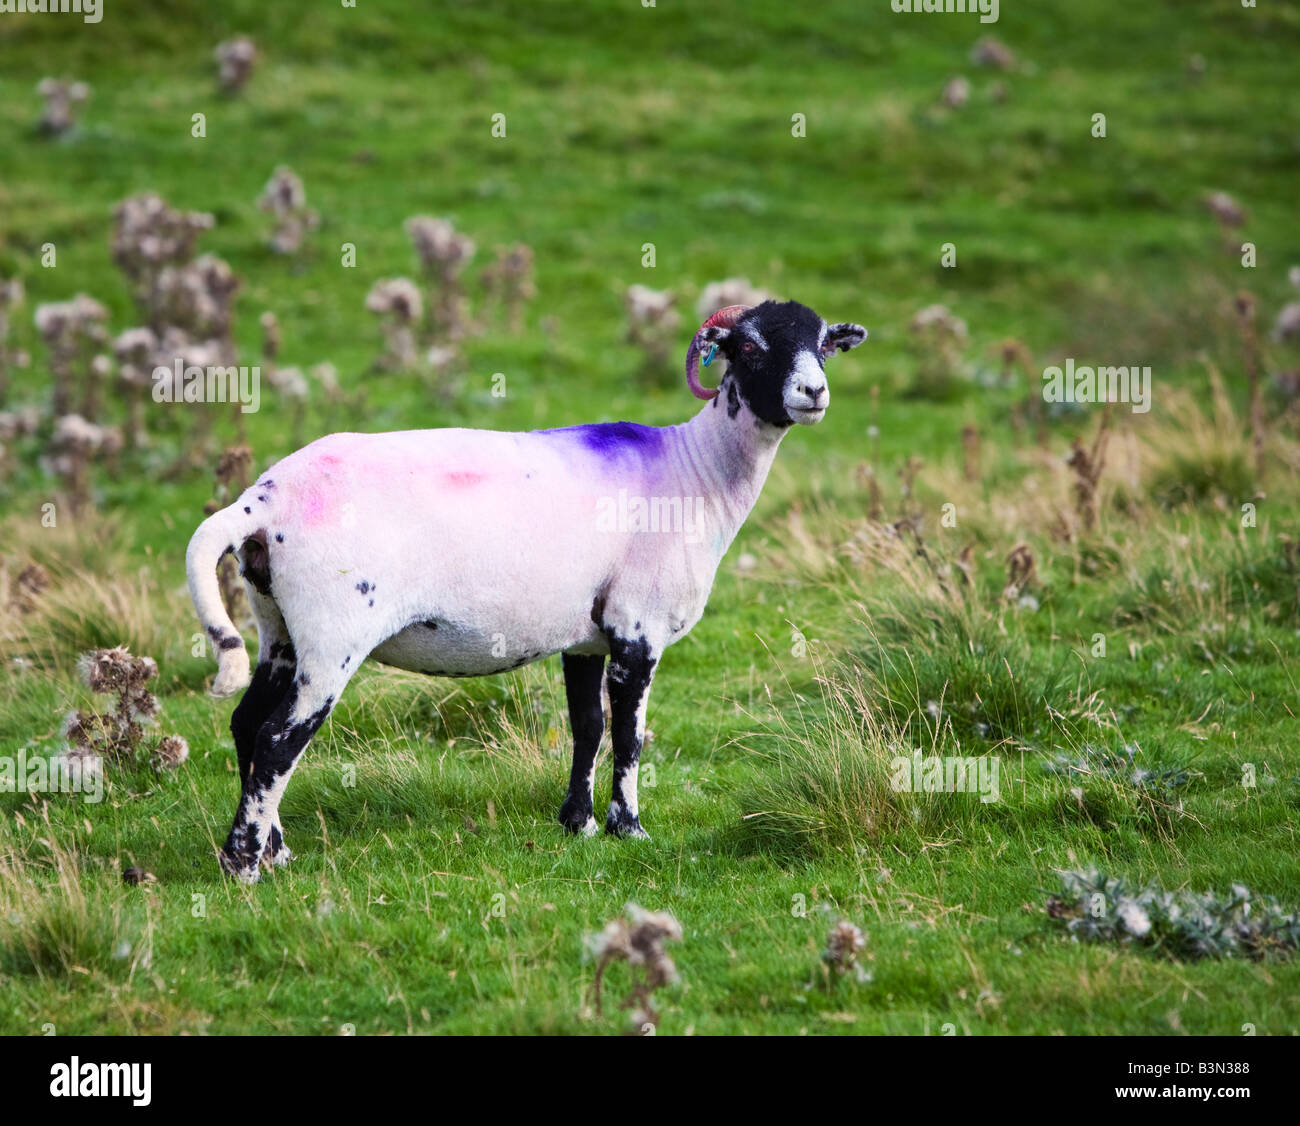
(748, 347)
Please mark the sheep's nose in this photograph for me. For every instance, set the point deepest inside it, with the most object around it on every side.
(816, 394)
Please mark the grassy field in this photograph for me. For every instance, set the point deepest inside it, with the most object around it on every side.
(432, 889)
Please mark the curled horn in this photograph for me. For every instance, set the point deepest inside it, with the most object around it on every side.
(724, 318)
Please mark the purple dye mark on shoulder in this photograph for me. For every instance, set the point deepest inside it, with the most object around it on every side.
(613, 439)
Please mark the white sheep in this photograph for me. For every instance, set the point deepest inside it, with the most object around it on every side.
(470, 552)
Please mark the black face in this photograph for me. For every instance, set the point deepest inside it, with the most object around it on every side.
(776, 359)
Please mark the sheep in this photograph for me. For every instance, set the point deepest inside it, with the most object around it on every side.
(461, 553)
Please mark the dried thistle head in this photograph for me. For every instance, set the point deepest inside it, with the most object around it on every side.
(993, 53)
(170, 753)
(291, 383)
(115, 670)
(398, 298)
(442, 251)
(73, 435)
(843, 942)
(937, 319)
(59, 321)
(1021, 571)
(235, 60)
(11, 294)
(61, 98)
(80, 761)
(730, 291)
(639, 941)
(1225, 209)
(270, 335)
(1287, 326)
(651, 307)
(284, 192)
(148, 235)
(956, 92)
(32, 581)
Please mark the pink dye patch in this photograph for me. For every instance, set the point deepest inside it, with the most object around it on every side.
(462, 480)
(315, 508)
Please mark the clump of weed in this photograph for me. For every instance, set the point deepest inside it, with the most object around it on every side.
(652, 322)
(1118, 768)
(938, 339)
(62, 102)
(509, 283)
(730, 291)
(843, 942)
(443, 253)
(285, 199)
(50, 925)
(74, 445)
(1096, 907)
(639, 940)
(235, 60)
(1088, 465)
(119, 734)
(75, 334)
(831, 779)
(30, 583)
(1203, 457)
(398, 302)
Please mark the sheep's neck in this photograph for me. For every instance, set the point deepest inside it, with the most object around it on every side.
(726, 460)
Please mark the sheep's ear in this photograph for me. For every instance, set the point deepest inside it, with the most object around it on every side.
(715, 334)
(842, 337)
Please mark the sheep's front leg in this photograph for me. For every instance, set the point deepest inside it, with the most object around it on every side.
(631, 669)
(582, 678)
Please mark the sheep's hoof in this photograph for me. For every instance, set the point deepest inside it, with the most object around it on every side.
(577, 819)
(234, 866)
(278, 858)
(625, 827)
(276, 854)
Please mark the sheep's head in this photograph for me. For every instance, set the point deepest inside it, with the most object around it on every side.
(776, 359)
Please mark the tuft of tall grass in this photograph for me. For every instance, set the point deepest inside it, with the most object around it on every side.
(51, 926)
(827, 782)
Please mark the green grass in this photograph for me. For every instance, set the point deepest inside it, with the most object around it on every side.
(433, 891)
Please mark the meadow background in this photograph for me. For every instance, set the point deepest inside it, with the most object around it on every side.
(847, 625)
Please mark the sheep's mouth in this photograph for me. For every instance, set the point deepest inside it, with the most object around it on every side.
(806, 416)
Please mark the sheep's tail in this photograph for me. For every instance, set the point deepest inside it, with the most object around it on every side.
(218, 534)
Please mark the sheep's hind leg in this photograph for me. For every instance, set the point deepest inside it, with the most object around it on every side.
(279, 744)
(582, 678)
(276, 665)
(631, 669)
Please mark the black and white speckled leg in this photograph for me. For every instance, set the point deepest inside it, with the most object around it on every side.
(277, 664)
(279, 743)
(631, 669)
(583, 676)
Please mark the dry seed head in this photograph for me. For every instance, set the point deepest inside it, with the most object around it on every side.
(730, 291)
(993, 53)
(1225, 209)
(842, 945)
(171, 752)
